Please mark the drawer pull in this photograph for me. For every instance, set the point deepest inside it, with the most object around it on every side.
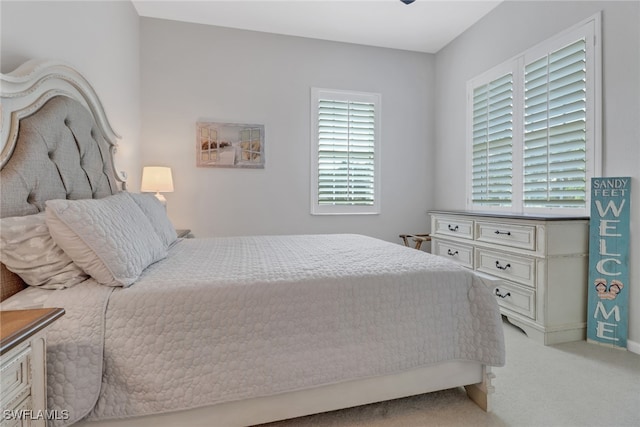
(451, 253)
(501, 267)
(452, 228)
(498, 294)
(508, 233)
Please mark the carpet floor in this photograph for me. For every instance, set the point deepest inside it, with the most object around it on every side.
(573, 384)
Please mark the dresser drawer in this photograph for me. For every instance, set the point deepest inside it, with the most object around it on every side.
(14, 375)
(515, 298)
(13, 418)
(512, 235)
(507, 266)
(462, 254)
(456, 227)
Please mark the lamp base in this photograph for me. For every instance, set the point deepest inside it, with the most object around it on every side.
(162, 200)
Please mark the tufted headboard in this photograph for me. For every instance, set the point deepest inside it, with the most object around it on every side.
(56, 143)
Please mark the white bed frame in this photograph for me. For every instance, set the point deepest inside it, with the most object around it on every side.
(25, 90)
(260, 410)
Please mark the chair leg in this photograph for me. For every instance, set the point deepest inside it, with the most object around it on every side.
(417, 239)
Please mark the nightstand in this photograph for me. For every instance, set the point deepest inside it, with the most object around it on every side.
(184, 233)
(23, 395)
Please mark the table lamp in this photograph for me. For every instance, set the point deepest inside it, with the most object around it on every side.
(157, 179)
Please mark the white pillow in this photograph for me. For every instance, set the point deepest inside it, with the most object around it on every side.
(27, 249)
(111, 239)
(157, 215)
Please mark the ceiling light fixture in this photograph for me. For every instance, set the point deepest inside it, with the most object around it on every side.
(407, 1)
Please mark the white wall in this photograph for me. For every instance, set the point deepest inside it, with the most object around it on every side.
(192, 72)
(101, 40)
(512, 28)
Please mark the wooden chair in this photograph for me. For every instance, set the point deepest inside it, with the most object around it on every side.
(418, 239)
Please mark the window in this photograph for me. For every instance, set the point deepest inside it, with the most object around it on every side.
(492, 142)
(534, 132)
(345, 161)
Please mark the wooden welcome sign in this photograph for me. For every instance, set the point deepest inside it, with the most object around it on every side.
(608, 294)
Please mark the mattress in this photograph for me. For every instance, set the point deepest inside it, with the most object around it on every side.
(225, 319)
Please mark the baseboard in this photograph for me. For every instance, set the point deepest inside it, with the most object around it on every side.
(633, 347)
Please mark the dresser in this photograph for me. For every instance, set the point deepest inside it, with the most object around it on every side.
(537, 266)
(23, 390)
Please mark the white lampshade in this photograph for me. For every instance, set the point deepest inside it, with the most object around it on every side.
(157, 179)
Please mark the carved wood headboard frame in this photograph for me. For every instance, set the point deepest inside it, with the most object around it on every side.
(25, 95)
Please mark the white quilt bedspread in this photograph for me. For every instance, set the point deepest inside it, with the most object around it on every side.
(231, 318)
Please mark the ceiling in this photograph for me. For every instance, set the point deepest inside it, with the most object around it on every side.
(423, 26)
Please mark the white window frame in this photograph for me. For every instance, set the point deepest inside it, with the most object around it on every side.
(341, 95)
(590, 29)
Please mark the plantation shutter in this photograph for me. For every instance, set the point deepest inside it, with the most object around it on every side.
(493, 142)
(555, 131)
(346, 153)
(534, 137)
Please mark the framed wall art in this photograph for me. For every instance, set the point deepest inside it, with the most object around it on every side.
(231, 145)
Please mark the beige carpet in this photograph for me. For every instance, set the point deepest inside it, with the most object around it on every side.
(573, 384)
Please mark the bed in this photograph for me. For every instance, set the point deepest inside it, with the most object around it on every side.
(214, 331)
